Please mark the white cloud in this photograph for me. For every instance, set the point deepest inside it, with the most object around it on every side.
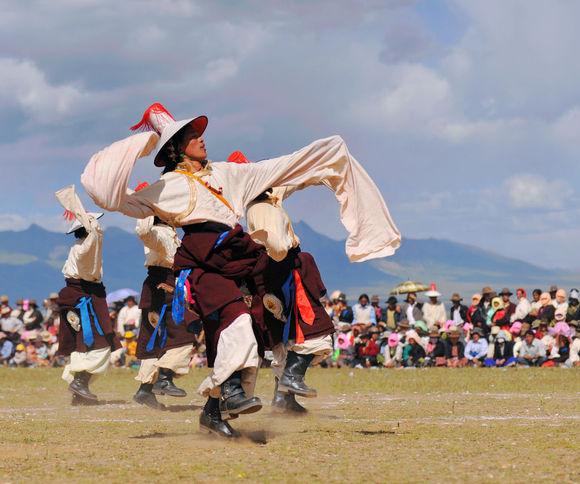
(535, 192)
(25, 86)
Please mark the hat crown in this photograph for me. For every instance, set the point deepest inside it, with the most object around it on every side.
(238, 157)
(155, 118)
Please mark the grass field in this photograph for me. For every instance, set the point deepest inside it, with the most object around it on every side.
(435, 425)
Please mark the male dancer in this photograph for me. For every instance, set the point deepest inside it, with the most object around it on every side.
(164, 348)
(300, 327)
(216, 257)
(86, 332)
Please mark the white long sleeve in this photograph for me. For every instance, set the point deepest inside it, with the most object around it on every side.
(180, 201)
(85, 258)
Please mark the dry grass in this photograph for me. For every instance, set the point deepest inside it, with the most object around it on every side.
(378, 426)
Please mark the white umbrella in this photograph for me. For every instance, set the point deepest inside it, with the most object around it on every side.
(120, 295)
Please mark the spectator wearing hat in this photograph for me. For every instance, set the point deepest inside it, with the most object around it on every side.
(503, 352)
(496, 315)
(454, 348)
(32, 316)
(413, 351)
(547, 309)
(458, 311)
(552, 291)
(573, 312)
(392, 352)
(487, 295)
(6, 349)
(560, 352)
(523, 307)
(51, 306)
(561, 302)
(342, 311)
(363, 312)
(509, 306)
(435, 350)
(5, 302)
(531, 352)
(434, 311)
(475, 313)
(20, 358)
(10, 325)
(392, 313)
(129, 316)
(476, 348)
(18, 311)
(411, 310)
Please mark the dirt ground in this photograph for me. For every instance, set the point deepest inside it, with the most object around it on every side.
(475, 425)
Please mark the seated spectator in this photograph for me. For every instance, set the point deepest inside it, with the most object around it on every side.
(19, 359)
(547, 309)
(366, 351)
(497, 314)
(32, 317)
(509, 307)
(454, 349)
(130, 349)
(10, 325)
(41, 346)
(375, 303)
(523, 307)
(5, 302)
(560, 352)
(392, 313)
(458, 311)
(6, 349)
(503, 352)
(574, 359)
(543, 334)
(434, 313)
(532, 351)
(536, 304)
(413, 351)
(411, 310)
(561, 302)
(363, 313)
(475, 314)
(573, 312)
(403, 326)
(342, 311)
(422, 329)
(476, 349)
(435, 350)
(129, 316)
(392, 352)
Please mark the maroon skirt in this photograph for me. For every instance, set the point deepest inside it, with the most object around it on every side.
(151, 302)
(70, 340)
(222, 260)
(276, 274)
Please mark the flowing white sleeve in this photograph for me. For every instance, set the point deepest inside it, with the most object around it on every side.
(363, 212)
(106, 177)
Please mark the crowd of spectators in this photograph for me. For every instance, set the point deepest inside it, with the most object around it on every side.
(493, 330)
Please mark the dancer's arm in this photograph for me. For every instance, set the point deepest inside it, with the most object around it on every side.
(372, 232)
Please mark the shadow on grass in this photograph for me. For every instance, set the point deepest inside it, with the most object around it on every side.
(182, 408)
(158, 435)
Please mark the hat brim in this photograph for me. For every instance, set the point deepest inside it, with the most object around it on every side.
(433, 294)
(77, 224)
(199, 124)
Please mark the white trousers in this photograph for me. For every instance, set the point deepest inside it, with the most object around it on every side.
(175, 359)
(237, 349)
(319, 347)
(94, 362)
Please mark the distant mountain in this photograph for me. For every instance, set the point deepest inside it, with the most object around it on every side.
(31, 261)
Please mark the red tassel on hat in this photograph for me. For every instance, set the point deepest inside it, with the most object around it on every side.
(238, 157)
(141, 186)
(146, 123)
(69, 216)
(433, 286)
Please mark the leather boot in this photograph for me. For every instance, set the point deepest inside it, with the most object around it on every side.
(292, 380)
(279, 400)
(211, 421)
(80, 386)
(286, 402)
(165, 386)
(292, 406)
(145, 396)
(233, 400)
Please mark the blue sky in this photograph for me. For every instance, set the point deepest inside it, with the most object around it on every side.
(467, 114)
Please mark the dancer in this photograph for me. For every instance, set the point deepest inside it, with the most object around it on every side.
(164, 348)
(300, 327)
(216, 257)
(86, 332)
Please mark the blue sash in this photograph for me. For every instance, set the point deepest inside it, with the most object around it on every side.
(161, 330)
(178, 306)
(85, 306)
(220, 239)
(289, 293)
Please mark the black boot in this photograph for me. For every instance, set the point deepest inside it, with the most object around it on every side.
(292, 380)
(80, 386)
(286, 402)
(165, 386)
(211, 421)
(145, 396)
(233, 400)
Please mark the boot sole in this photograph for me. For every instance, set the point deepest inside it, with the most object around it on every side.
(160, 407)
(161, 392)
(285, 389)
(92, 398)
(250, 408)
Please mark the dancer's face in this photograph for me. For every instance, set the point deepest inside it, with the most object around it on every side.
(193, 145)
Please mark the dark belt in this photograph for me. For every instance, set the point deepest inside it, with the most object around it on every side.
(204, 227)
